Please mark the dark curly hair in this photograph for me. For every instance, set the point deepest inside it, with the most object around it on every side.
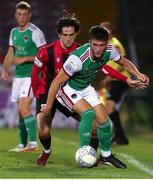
(66, 21)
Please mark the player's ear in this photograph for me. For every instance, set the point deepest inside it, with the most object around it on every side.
(15, 15)
(30, 15)
(59, 35)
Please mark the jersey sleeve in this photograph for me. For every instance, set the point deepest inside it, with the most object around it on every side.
(41, 58)
(10, 39)
(108, 70)
(115, 56)
(38, 38)
(72, 65)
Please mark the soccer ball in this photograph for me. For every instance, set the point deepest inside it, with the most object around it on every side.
(86, 156)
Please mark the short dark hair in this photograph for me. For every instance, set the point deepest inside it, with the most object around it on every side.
(66, 21)
(23, 5)
(98, 33)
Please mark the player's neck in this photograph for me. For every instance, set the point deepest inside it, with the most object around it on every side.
(22, 28)
(64, 47)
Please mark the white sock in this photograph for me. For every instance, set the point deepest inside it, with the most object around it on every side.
(105, 153)
(47, 151)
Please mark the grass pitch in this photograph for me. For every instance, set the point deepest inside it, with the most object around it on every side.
(138, 156)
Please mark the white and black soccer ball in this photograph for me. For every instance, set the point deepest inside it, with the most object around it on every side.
(86, 156)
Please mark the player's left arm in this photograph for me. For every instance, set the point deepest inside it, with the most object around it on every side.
(21, 60)
(129, 66)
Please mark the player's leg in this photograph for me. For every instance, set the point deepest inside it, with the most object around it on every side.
(73, 99)
(24, 104)
(87, 116)
(94, 139)
(44, 129)
(104, 133)
(104, 130)
(116, 97)
(22, 128)
(30, 122)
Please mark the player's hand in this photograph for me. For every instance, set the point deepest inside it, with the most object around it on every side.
(143, 78)
(46, 110)
(5, 75)
(138, 84)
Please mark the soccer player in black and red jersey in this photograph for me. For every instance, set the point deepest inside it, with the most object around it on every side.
(49, 61)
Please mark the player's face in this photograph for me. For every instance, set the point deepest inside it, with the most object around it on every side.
(22, 16)
(67, 37)
(97, 47)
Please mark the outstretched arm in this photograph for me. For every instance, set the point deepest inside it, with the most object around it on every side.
(108, 70)
(129, 66)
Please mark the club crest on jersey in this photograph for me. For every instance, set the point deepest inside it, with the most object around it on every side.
(74, 96)
(26, 38)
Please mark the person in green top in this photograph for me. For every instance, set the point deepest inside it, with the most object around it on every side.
(24, 42)
(75, 92)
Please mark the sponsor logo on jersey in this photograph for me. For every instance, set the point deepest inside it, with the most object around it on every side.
(74, 96)
(58, 59)
(26, 38)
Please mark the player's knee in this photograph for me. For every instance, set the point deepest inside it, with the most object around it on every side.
(24, 111)
(89, 115)
(44, 131)
(110, 106)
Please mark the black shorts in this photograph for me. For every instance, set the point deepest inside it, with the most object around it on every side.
(117, 90)
(43, 99)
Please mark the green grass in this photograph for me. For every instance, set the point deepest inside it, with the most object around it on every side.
(62, 163)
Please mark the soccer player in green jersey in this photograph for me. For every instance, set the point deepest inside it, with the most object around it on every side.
(72, 88)
(24, 42)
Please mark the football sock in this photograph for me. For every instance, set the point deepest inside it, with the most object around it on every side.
(94, 141)
(45, 141)
(118, 129)
(85, 128)
(30, 123)
(22, 132)
(105, 135)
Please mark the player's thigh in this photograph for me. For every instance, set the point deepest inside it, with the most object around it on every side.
(110, 106)
(100, 113)
(81, 106)
(72, 99)
(26, 89)
(24, 104)
(91, 96)
(16, 85)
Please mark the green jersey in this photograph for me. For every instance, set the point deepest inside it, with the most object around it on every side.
(26, 43)
(82, 68)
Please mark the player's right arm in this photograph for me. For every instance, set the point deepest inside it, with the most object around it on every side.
(8, 61)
